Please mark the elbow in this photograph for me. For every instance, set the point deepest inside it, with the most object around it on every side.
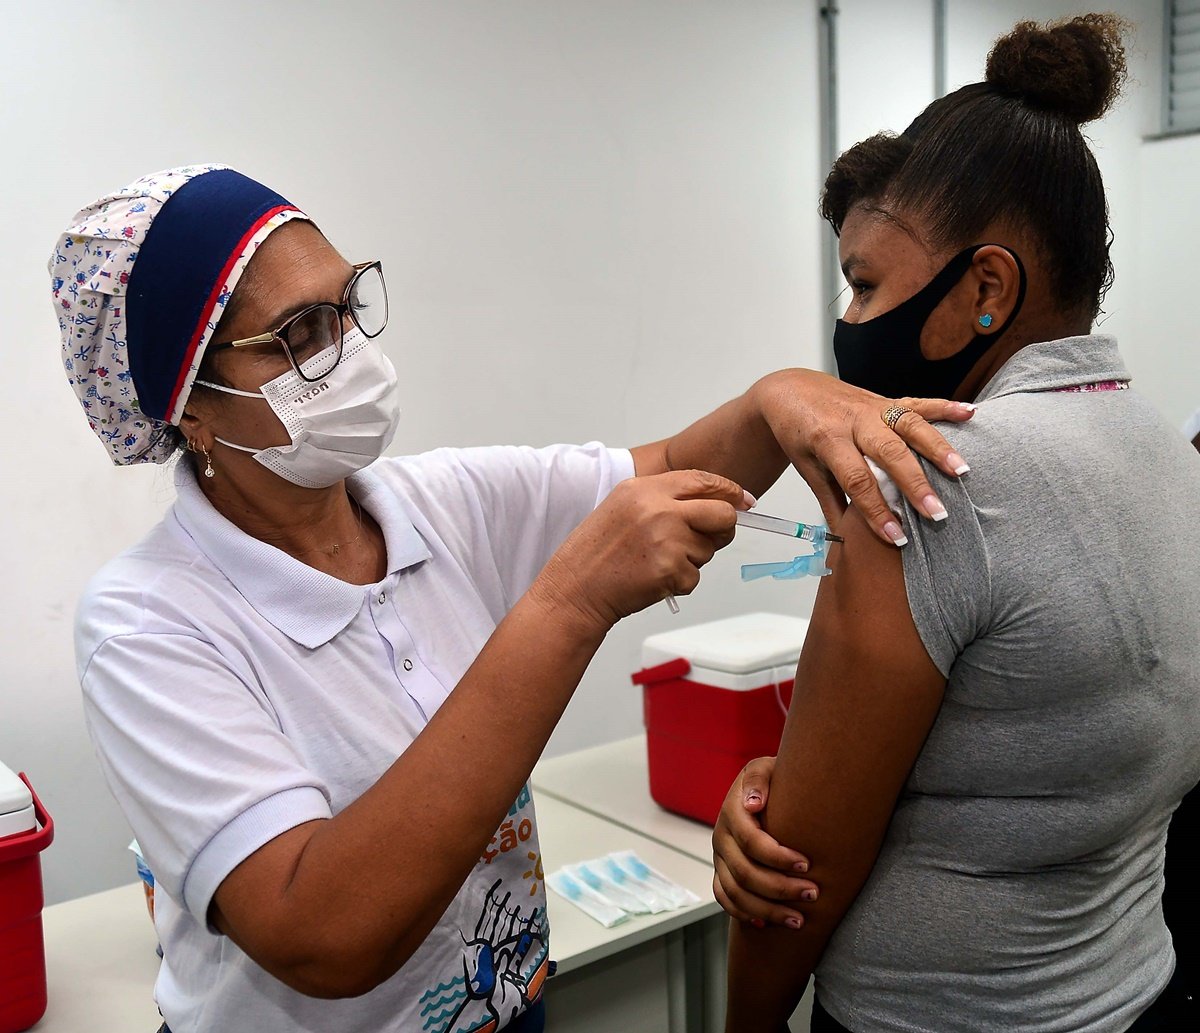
(332, 968)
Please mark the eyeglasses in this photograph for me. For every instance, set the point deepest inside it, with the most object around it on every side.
(312, 338)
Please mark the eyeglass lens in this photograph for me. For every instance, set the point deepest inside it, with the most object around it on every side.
(314, 339)
(368, 301)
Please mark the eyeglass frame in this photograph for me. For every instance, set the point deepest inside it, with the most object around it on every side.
(342, 308)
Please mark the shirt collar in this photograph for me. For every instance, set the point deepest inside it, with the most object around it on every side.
(1049, 365)
(307, 605)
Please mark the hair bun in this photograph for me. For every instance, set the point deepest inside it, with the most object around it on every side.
(1075, 68)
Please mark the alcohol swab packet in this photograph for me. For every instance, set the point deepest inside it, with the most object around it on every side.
(643, 875)
(655, 901)
(593, 875)
(586, 899)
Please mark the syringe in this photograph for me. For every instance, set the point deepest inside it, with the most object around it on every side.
(815, 533)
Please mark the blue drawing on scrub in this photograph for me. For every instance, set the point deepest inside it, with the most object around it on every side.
(504, 969)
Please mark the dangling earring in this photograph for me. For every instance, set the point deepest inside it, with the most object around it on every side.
(985, 320)
(208, 467)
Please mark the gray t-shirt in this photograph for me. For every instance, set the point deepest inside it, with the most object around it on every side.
(1019, 885)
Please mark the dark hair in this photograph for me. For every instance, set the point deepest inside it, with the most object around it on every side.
(1006, 150)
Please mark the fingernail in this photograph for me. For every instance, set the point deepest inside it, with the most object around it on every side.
(753, 798)
(957, 464)
(808, 895)
(968, 406)
(801, 866)
(758, 923)
(933, 508)
(892, 530)
(749, 499)
(793, 922)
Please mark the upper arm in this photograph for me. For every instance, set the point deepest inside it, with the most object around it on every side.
(199, 765)
(650, 459)
(867, 694)
(524, 502)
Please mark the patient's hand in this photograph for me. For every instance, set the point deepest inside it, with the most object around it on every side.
(755, 875)
(826, 428)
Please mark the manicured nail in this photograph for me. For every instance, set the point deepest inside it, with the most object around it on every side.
(793, 922)
(753, 798)
(968, 406)
(956, 463)
(933, 508)
(892, 530)
(749, 499)
(801, 866)
(808, 895)
(758, 923)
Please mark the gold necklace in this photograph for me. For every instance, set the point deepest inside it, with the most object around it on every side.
(337, 546)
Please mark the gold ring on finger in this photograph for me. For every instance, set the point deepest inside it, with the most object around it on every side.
(892, 415)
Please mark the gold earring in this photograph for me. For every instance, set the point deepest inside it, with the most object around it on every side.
(208, 466)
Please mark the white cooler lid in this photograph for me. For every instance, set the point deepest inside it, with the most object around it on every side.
(750, 647)
(16, 805)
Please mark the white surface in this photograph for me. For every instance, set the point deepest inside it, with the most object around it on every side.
(570, 835)
(613, 782)
(748, 645)
(13, 823)
(16, 805)
(100, 949)
(14, 794)
(598, 220)
(101, 964)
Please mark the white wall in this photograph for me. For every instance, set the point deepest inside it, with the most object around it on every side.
(597, 222)
(1154, 197)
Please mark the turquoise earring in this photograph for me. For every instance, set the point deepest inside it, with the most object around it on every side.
(985, 320)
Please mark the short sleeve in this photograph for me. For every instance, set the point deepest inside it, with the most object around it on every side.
(946, 572)
(530, 499)
(194, 757)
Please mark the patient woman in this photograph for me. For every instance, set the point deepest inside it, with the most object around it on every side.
(993, 725)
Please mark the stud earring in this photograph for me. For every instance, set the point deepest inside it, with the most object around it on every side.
(985, 320)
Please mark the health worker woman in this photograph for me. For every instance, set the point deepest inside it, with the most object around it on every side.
(318, 687)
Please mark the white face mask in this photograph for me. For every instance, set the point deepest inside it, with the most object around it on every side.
(337, 424)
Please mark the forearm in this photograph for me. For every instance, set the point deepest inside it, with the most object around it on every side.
(372, 882)
(735, 441)
(768, 971)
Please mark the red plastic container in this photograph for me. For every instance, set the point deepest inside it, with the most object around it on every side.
(25, 831)
(715, 697)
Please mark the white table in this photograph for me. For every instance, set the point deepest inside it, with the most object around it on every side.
(101, 964)
(612, 782)
(638, 976)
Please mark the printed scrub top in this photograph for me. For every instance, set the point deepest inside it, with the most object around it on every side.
(233, 693)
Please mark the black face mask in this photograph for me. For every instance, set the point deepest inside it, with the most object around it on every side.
(884, 354)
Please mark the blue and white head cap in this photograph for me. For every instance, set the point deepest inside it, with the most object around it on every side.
(140, 279)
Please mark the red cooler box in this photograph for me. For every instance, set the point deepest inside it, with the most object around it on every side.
(716, 697)
(25, 831)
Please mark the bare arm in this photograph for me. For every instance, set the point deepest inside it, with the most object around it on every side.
(823, 428)
(334, 907)
(868, 695)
